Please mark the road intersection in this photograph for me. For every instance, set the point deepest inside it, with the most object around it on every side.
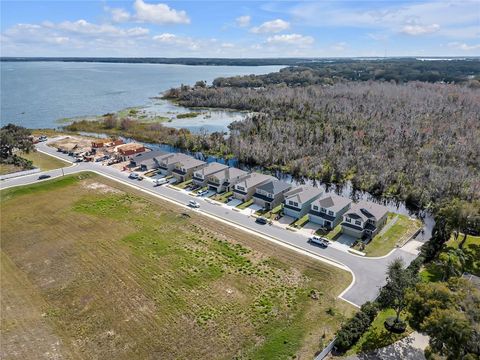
(368, 273)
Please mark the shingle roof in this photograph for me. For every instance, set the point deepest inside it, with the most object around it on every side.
(274, 186)
(147, 157)
(189, 162)
(303, 193)
(332, 202)
(366, 210)
(229, 173)
(212, 168)
(253, 179)
(172, 158)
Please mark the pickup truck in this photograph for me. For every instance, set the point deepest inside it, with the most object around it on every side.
(319, 241)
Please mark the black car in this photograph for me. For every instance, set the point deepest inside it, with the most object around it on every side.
(43, 177)
(261, 220)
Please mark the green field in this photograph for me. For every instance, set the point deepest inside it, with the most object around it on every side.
(43, 161)
(91, 269)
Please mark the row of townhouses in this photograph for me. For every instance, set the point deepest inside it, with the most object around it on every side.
(361, 220)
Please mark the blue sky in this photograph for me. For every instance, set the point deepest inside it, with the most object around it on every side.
(240, 28)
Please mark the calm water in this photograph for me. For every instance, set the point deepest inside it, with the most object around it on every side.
(37, 94)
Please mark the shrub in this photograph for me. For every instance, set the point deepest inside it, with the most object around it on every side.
(349, 334)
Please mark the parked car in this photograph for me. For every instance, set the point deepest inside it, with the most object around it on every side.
(317, 240)
(140, 178)
(203, 192)
(43, 177)
(42, 138)
(158, 182)
(133, 176)
(193, 204)
(79, 159)
(261, 220)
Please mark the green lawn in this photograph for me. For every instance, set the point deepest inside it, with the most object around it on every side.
(223, 198)
(245, 204)
(43, 161)
(184, 184)
(299, 223)
(400, 231)
(330, 235)
(377, 336)
(112, 273)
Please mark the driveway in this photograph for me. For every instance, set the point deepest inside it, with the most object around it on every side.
(369, 273)
(234, 202)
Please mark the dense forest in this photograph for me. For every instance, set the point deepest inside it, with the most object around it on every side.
(417, 142)
(329, 72)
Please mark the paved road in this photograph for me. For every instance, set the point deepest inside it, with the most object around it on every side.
(369, 273)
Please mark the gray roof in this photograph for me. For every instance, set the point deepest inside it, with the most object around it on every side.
(367, 210)
(189, 162)
(303, 193)
(274, 186)
(212, 168)
(172, 158)
(229, 173)
(147, 157)
(332, 202)
(253, 179)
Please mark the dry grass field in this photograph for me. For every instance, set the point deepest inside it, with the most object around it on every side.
(92, 270)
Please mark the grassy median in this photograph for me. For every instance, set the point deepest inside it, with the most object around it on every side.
(112, 274)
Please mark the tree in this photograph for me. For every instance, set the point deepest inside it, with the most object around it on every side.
(399, 279)
(452, 262)
(12, 138)
(449, 312)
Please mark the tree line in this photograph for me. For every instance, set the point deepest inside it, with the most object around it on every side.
(416, 142)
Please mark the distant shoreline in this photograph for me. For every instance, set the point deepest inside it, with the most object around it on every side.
(220, 61)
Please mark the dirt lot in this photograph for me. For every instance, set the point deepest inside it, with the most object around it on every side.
(90, 270)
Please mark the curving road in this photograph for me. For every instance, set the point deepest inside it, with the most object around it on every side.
(368, 273)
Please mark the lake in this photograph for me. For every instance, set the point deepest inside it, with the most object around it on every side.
(37, 94)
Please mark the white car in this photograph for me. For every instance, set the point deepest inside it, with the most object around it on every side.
(317, 240)
(193, 204)
(158, 182)
(133, 176)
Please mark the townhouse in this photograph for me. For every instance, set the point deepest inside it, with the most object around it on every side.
(166, 163)
(298, 200)
(147, 160)
(200, 176)
(184, 168)
(245, 188)
(328, 210)
(364, 220)
(225, 179)
(271, 193)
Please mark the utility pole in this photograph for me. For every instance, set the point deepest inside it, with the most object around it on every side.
(63, 174)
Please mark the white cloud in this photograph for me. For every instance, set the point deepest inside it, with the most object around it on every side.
(341, 46)
(243, 21)
(416, 29)
(464, 47)
(273, 26)
(227, 45)
(291, 39)
(159, 14)
(166, 37)
(86, 28)
(119, 15)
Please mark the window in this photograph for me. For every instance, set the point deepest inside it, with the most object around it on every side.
(322, 210)
(315, 207)
(330, 212)
(348, 220)
(270, 196)
(290, 202)
(358, 222)
(241, 188)
(295, 204)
